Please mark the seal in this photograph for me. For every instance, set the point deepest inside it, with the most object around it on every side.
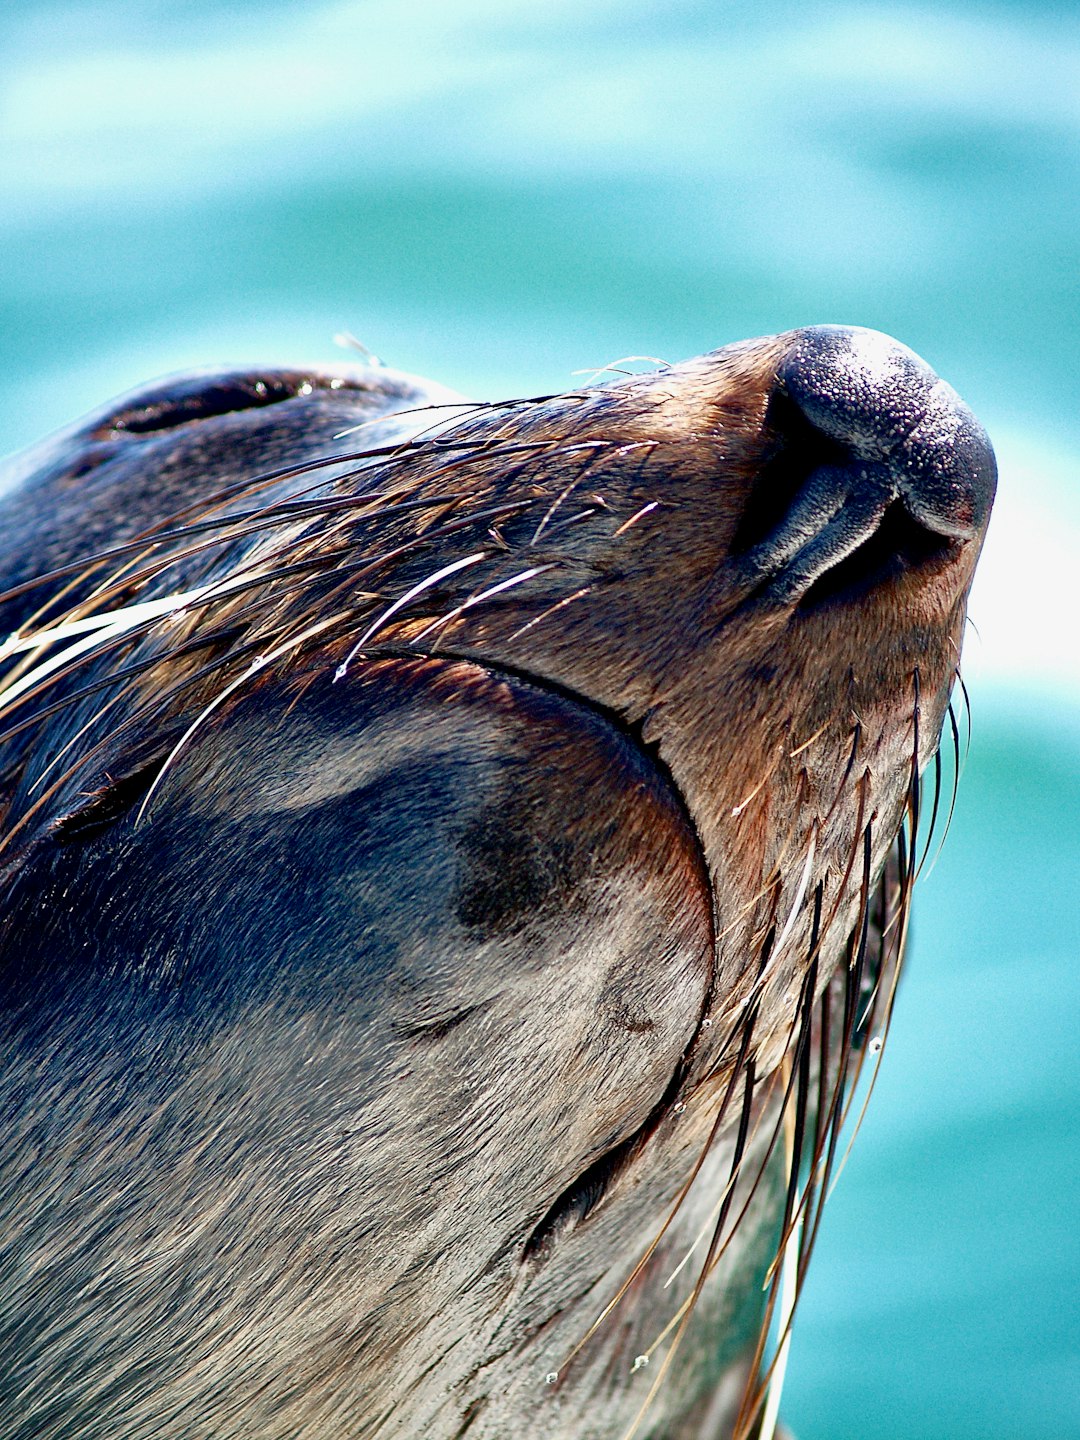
(455, 857)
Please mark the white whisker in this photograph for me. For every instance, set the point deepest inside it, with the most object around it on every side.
(789, 1293)
(477, 599)
(257, 664)
(640, 514)
(98, 630)
(569, 599)
(402, 601)
(800, 895)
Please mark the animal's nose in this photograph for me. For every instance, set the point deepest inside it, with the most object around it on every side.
(888, 408)
(876, 456)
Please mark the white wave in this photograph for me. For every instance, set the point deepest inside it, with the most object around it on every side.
(1024, 604)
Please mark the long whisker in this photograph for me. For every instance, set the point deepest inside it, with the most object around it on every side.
(122, 624)
(941, 832)
(711, 1219)
(747, 1029)
(428, 582)
(789, 1284)
(478, 599)
(736, 1161)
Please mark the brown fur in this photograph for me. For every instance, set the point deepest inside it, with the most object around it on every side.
(421, 938)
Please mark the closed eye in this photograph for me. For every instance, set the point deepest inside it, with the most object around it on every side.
(203, 397)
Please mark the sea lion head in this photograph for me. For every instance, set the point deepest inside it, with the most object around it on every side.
(451, 862)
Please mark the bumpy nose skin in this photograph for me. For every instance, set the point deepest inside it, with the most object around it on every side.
(884, 404)
(895, 436)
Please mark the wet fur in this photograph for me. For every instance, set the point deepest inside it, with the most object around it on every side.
(415, 944)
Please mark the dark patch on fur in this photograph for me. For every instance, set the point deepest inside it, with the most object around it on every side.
(513, 867)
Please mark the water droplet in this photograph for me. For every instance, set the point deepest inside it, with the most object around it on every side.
(551, 1377)
(640, 1361)
(875, 1045)
(706, 1024)
(340, 673)
(679, 1106)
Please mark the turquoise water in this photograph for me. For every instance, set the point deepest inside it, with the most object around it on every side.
(499, 194)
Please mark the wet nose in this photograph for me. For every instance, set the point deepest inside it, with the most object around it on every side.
(877, 458)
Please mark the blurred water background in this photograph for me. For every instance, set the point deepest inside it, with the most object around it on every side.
(498, 194)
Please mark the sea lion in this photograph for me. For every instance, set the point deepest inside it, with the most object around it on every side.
(450, 868)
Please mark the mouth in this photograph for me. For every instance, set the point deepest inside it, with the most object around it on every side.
(585, 1194)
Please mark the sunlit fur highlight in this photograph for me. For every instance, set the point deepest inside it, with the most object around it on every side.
(256, 604)
(116, 648)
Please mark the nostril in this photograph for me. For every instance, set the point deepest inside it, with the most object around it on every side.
(887, 406)
(796, 450)
(898, 543)
(876, 466)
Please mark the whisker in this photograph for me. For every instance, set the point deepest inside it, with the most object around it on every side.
(257, 664)
(800, 893)
(789, 1289)
(479, 598)
(933, 813)
(709, 1223)
(853, 973)
(802, 1059)
(551, 610)
(80, 734)
(908, 874)
(741, 806)
(414, 590)
(125, 622)
(149, 710)
(637, 515)
(798, 750)
(614, 368)
(545, 519)
(967, 711)
(133, 669)
(736, 1161)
